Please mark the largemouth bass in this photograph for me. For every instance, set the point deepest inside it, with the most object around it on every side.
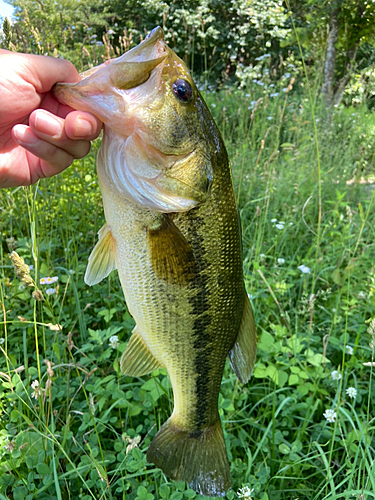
(173, 233)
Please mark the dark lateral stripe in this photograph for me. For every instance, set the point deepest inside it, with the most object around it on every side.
(202, 322)
(203, 369)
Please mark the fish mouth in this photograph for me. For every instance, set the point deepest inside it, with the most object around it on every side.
(138, 163)
(99, 91)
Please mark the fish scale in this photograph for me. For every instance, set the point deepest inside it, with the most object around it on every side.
(173, 233)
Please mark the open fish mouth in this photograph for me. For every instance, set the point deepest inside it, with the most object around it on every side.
(97, 90)
(151, 153)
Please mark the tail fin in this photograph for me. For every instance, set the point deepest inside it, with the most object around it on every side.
(199, 457)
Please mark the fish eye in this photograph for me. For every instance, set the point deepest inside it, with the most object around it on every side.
(182, 89)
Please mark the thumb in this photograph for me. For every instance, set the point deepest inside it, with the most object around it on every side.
(45, 71)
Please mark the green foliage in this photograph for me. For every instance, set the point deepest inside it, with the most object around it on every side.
(212, 37)
(221, 41)
(85, 428)
(71, 425)
(70, 29)
(355, 41)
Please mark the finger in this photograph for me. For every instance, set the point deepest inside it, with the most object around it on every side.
(46, 71)
(82, 125)
(55, 160)
(51, 104)
(50, 128)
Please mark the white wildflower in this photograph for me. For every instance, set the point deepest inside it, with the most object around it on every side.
(349, 350)
(43, 281)
(133, 442)
(54, 328)
(280, 226)
(273, 220)
(2, 340)
(250, 296)
(114, 342)
(245, 493)
(335, 375)
(330, 415)
(50, 291)
(110, 32)
(38, 391)
(304, 269)
(280, 261)
(54, 279)
(351, 392)
(10, 446)
(362, 295)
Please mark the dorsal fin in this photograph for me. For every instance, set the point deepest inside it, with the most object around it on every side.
(102, 258)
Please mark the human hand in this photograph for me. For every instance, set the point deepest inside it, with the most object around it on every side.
(39, 137)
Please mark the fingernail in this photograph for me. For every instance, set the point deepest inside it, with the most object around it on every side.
(24, 134)
(83, 128)
(47, 124)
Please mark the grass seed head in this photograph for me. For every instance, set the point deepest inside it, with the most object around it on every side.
(37, 295)
(21, 269)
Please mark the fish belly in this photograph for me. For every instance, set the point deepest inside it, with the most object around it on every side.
(189, 323)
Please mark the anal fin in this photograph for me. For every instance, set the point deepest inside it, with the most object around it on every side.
(102, 258)
(242, 354)
(137, 360)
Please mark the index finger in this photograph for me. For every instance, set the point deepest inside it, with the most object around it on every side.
(45, 71)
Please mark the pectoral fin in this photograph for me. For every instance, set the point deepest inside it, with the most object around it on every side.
(102, 258)
(171, 255)
(242, 354)
(137, 359)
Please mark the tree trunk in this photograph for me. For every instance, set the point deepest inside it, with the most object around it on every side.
(346, 78)
(329, 66)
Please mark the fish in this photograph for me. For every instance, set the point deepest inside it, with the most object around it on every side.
(173, 233)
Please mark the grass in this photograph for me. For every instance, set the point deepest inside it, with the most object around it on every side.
(83, 432)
